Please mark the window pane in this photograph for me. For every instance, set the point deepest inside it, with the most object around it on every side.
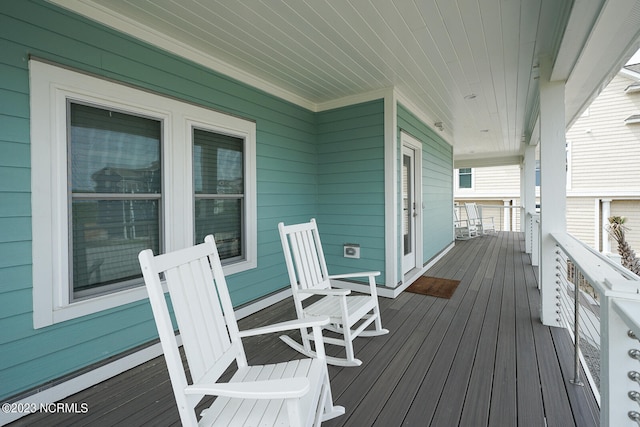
(217, 163)
(117, 154)
(113, 152)
(223, 219)
(107, 237)
(464, 178)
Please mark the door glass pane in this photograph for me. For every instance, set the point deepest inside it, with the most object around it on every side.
(406, 202)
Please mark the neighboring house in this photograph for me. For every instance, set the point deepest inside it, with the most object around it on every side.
(495, 189)
(161, 152)
(603, 177)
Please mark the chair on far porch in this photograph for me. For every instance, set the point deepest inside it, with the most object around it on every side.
(349, 314)
(290, 393)
(462, 227)
(483, 224)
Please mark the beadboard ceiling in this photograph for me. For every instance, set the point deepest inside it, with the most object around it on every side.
(471, 65)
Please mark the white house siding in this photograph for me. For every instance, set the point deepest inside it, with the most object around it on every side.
(603, 158)
(604, 150)
(492, 182)
(582, 219)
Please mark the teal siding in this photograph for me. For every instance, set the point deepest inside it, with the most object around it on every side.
(286, 174)
(351, 185)
(328, 165)
(437, 183)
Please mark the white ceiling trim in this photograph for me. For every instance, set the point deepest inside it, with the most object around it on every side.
(126, 25)
(353, 99)
(489, 161)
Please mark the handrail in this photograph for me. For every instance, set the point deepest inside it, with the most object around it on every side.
(597, 269)
(618, 298)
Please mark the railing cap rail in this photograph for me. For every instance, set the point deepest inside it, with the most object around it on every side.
(596, 268)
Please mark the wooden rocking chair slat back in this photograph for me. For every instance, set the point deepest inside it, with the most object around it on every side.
(307, 258)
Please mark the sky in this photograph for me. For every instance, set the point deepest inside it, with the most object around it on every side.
(635, 59)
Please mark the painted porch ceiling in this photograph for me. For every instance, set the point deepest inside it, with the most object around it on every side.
(470, 64)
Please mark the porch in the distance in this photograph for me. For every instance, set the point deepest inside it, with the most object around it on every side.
(481, 358)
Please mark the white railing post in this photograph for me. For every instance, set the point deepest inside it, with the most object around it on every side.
(535, 240)
(506, 215)
(606, 213)
(528, 189)
(620, 363)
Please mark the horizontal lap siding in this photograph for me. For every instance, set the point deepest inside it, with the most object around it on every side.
(581, 219)
(286, 174)
(604, 150)
(437, 183)
(500, 181)
(351, 186)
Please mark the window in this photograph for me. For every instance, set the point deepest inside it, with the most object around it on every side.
(464, 178)
(115, 196)
(116, 170)
(219, 191)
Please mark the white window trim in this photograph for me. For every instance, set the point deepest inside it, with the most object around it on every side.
(457, 180)
(51, 86)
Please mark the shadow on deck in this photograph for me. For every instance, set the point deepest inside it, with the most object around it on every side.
(481, 358)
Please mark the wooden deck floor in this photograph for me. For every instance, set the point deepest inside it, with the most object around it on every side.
(481, 358)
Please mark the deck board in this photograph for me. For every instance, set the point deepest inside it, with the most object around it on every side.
(481, 358)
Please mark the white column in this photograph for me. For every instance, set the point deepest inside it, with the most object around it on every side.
(528, 194)
(507, 215)
(606, 213)
(553, 193)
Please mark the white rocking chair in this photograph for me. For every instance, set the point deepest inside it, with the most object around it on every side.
(483, 224)
(309, 276)
(292, 393)
(462, 228)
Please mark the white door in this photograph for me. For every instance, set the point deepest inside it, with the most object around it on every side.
(409, 209)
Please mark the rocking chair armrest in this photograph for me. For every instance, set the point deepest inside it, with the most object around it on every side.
(281, 388)
(369, 274)
(326, 291)
(286, 326)
(358, 274)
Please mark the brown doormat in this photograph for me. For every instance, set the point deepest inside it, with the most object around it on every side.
(434, 286)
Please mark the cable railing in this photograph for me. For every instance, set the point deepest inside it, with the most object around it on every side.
(578, 308)
(503, 217)
(598, 301)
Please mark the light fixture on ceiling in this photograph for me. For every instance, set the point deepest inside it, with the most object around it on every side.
(439, 126)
